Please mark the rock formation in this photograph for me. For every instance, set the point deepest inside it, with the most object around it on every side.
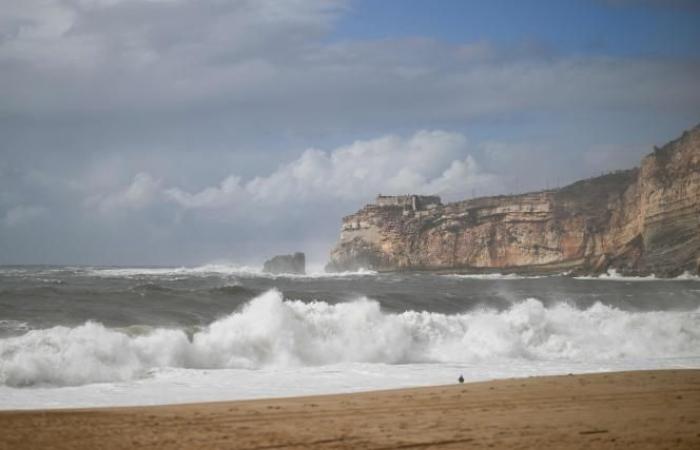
(639, 221)
(295, 264)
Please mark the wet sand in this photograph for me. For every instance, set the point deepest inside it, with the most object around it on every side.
(645, 409)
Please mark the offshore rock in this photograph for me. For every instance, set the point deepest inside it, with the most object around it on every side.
(294, 264)
(639, 221)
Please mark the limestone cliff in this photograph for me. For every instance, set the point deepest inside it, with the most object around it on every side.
(640, 221)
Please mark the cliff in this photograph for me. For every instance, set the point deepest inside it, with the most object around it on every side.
(640, 221)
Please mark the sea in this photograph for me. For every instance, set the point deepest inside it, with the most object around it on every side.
(116, 336)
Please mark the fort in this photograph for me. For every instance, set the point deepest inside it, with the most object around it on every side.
(412, 202)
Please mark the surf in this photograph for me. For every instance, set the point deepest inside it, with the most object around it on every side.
(270, 331)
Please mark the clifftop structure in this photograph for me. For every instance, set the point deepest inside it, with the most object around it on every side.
(412, 202)
(637, 221)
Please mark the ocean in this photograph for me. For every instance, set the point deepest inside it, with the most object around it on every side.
(104, 336)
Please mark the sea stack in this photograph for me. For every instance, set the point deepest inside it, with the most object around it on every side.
(294, 264)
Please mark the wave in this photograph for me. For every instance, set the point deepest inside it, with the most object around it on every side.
(494, 276)
(230, 290)
(316, 275)
(207, 269)
(51, 289)
(687, 276)
(272, 332)
(12, 327)
(613, 275)
(33, 271)
(213, 270)
(150, 287)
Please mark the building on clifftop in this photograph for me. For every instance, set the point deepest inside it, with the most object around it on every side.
(412, 202)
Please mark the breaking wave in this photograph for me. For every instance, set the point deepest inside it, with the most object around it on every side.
(212, 270)
(613, 275)
(494, 276)
(272, 332)
(205, 270)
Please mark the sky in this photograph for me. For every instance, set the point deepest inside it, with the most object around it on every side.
(183, 132)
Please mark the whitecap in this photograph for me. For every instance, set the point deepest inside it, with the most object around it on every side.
(271, 332)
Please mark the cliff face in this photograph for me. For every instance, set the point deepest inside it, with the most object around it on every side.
(640, 221)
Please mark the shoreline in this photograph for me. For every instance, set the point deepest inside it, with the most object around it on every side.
(636, 409)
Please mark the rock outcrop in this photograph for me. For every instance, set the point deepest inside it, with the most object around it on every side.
(294, 264)
(639, 221)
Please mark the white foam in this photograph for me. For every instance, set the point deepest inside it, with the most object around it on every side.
(494, 276)
(214, 269)
(207, 269)
(322, 274)
(271, 333)
(178, 385)
(687, 276)
(613, 275)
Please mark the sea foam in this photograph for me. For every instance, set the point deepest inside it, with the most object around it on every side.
(494, 276)
(270, 332)
(613, 275)
(213, 270)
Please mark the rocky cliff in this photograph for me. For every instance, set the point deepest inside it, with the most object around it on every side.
(640, 221)
(288, 264)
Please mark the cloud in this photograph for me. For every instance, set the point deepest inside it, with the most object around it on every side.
(269, 64)
(428, 162)
(141, 193)
(166, 131)
(23, 214)
(103, 55)
(228, 192)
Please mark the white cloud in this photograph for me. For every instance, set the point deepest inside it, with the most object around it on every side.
(209, 95)
(22, 214)
(460, 177)
(428, 162)
(142, 192)
(227, 192)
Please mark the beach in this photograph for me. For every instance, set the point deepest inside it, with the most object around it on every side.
(638, 409)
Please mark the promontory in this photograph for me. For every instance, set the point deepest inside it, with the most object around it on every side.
(641, 221)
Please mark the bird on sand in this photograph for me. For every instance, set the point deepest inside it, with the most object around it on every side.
(460, 379)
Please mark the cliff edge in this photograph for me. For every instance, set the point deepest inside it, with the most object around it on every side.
(639, 221)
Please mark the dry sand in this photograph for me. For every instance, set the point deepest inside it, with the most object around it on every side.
(646, 409)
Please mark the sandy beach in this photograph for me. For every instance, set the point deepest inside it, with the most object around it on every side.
(644, 409)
